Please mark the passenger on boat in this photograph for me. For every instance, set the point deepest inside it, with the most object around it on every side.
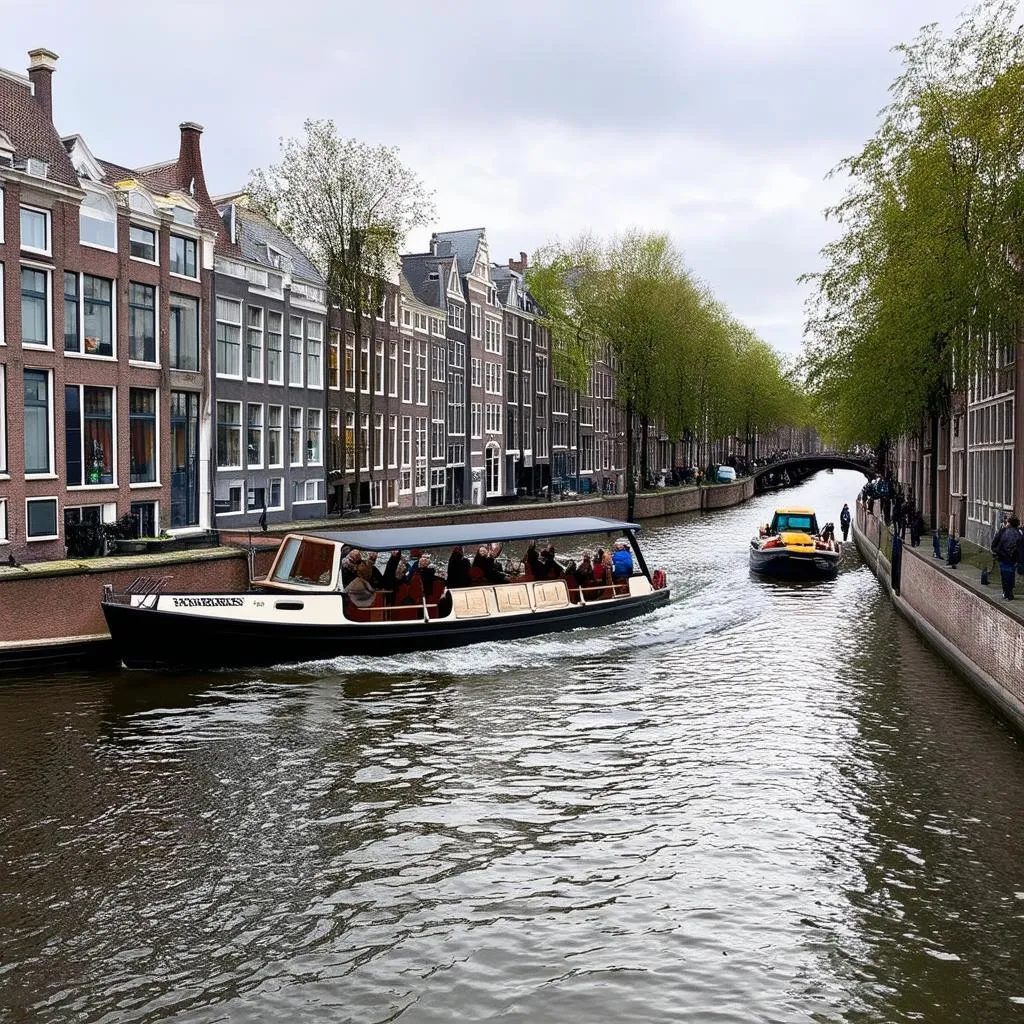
(458, 568)
(350, 566)
(360, 590)
(827, 539)
(484, 569)
(585, 571)
(376, 576)
(550, 568)
(622, 561)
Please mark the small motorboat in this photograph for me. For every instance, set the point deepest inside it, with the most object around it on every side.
(300, 611)
(792, 547)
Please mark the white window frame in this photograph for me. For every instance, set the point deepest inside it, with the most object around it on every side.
(267, 428)
(317, 385)
(3, 317)
(301, 355)
(51, 474)
(476, 321)
(56, 519)
(113, 485)
(318, 415)
(81, 213)
(170, 256)
(241, 436)
(278, 381)
(279, 480)
(263, 435)
(4, 538)
(156, 440)
(292, 409)
(47, 216)
(48, 272)
(156, 244)
(250, 329)
(239, 325)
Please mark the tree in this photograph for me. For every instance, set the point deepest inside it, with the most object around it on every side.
(350, 206)
(925, 279)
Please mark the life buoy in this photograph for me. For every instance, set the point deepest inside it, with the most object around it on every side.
(659, 580)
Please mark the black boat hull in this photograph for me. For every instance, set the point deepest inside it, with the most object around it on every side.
(787, 565)
(150, 638)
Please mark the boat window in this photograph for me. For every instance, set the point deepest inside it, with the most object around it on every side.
(795, 522)
(304, 561)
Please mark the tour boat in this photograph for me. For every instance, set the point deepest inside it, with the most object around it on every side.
(792, 547)
(299, 612)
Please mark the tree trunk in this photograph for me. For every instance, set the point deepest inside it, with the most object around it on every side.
(630, 475)
(933, 483)
(645, 467)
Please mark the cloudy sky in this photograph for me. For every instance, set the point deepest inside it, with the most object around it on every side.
(714, 120)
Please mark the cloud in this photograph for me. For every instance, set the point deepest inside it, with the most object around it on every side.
(716, 122)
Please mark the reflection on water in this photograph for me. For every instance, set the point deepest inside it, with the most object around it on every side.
(765, 802)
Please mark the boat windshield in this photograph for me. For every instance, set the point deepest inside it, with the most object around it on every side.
(304, 562)
(798, 521)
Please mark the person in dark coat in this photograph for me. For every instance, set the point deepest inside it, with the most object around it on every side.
(1006, 548)
(458, 568)
(844, 520)
(916, 527)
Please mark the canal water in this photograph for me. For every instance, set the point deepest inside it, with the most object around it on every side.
(768, 802)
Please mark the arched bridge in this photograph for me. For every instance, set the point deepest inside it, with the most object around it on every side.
(792, 470)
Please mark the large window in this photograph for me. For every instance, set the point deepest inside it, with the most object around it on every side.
(474, 312)
(314, 432)
(457, 316)
(275, 350)
(492, 342)
(183, 256)
(334, 361)
(254, 344)
(254, 443)
(35, 230)
(229, 338)
(492, 469)
(421, 372)
(295, 351)
(142, 323)
(37, 422)
(229, 435)
(295, 437)
(35, 307)
(274, 428)
(142, 426)
(184, 333)
(406, 370)
(89, 435)
(142, 243)
(97, 222)
(315, 353)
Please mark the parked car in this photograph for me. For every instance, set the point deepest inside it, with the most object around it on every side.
(725, 475)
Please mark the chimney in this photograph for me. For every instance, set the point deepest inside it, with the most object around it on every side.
(190, 163)
(520, 265)
(40, 73)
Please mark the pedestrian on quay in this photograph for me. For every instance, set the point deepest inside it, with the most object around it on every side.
(844, 520)
(916, 528)
(1006, 549)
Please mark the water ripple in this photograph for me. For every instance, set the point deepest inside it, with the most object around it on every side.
(764, 802)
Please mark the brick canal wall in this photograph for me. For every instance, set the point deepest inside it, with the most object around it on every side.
(55, 603)
(969, 628)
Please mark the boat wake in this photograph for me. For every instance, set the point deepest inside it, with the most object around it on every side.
(686, 620)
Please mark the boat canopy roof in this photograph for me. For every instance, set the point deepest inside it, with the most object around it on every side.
(403, 538)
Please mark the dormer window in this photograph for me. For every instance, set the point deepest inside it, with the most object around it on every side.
(36, 167)
(6, 150)
(141, 203)
(97, 222)
(183, 215)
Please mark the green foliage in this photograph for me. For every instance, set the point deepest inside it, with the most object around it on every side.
(924, 280)
(681, 359)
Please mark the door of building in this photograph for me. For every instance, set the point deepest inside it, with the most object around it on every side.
(184, 459)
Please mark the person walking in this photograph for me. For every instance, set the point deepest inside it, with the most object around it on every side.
(1006, 548)
(844, 520)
